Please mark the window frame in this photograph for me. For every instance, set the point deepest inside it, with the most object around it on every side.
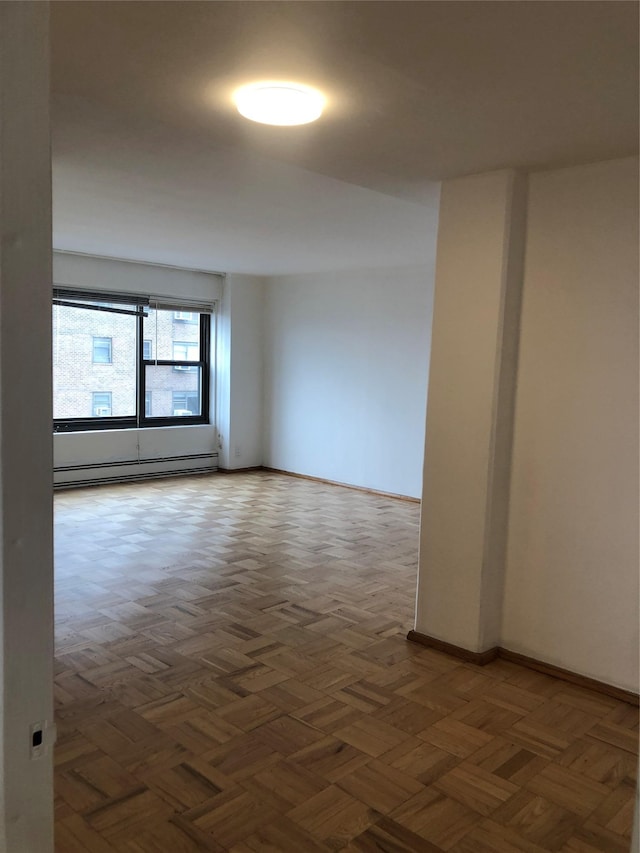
(95, 300)
(203, 363)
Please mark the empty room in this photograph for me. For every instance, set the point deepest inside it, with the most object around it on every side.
(333, 545)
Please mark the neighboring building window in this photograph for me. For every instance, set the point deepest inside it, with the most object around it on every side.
(101, 404)
(185, 351)
(185, 403)
(102, 350)
(172, 368)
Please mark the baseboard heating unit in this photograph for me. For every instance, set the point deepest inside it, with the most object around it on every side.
(121, 471)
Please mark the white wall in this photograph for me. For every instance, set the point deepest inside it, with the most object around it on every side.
(94, 456)
(346, 365)
(571, 594)
(26, 523)
(122, 453)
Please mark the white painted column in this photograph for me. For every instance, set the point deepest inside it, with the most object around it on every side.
(470, 409)
(247, 320)
(240, 357)
(26, 545)
(223, 376)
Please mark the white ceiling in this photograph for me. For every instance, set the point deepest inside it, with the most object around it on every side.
(148, 192)
(152, 162)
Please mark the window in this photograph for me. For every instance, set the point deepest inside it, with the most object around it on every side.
(94, 349)
(102, 350)
(185, 317)
(180, 369)
(159, 369)
(185, 403)
(185, 351)
(101, 404)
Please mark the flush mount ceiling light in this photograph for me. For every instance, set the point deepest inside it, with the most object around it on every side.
(279, 103)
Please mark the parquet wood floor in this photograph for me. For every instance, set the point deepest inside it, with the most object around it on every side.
(232, 674)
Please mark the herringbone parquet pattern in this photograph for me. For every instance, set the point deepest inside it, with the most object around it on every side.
(232, 674)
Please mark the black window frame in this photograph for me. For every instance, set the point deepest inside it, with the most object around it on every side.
(102, 301)
(203, 363)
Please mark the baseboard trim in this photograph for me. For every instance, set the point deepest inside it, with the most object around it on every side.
(483, 658)
(239, 470)
(479, 658)
(573, 677)
(343, 485)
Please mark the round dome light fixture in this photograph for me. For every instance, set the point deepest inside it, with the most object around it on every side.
(279, 103)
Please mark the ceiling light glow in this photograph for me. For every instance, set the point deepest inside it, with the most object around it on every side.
(279, 103)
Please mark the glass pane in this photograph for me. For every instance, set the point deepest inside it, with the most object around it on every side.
(175, 392)
(94, 363)
(173, 338)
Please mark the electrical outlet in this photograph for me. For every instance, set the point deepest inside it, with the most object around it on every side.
(42, 735)
(237, 450)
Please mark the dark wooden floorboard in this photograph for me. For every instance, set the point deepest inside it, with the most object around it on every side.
(232, 674)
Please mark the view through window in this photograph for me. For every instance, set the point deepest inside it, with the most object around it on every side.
(125, 363)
